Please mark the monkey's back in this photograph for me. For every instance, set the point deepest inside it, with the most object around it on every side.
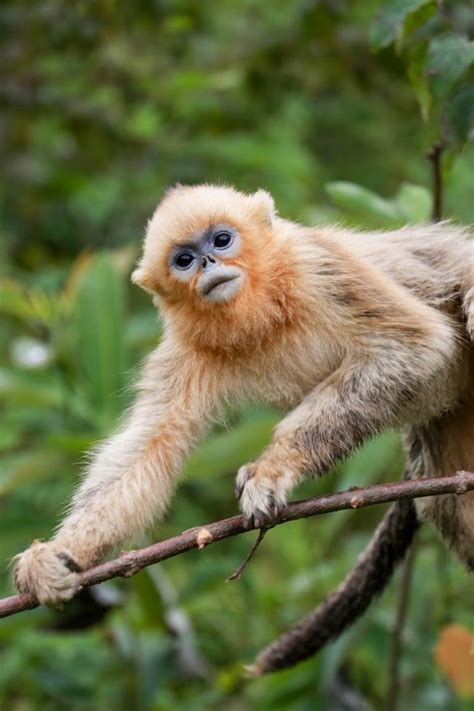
(435, 261)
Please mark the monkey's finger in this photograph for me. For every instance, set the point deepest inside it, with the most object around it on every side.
(263, 518)
(277, 509)
(248, 521)
(69, 562)
(243, 475)
(238, 489)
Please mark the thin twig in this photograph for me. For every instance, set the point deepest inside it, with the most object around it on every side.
(396, 639)
(435, 155)
(238, 573)
(132, 562)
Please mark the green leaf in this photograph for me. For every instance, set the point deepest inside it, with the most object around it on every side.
(29, 306)
(101, 353)
(362, 201)
(414, 202)
(458, 114)
(417, 76)
(448, 57)
(390, 20)
(417, 19)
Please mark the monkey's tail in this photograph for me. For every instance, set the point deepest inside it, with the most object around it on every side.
(368, 578)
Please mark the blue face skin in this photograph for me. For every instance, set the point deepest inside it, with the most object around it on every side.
(206, 256)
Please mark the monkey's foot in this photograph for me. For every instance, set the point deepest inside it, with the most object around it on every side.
(47, 573)
(262, 496)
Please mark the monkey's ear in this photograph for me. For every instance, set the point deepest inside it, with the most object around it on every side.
(264, 206)
(141, 278)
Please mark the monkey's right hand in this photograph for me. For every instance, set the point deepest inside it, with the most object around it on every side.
(47, 573)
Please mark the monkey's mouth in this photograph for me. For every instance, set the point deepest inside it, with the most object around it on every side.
(218, 281)
(220, 286)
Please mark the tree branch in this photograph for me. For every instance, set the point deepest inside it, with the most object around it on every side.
(344, 605)
(131, 562)
(435, 155)
(396, 641)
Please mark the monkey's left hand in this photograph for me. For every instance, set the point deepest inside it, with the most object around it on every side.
(262, 486)
(47, 573)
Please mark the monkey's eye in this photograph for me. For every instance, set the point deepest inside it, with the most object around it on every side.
(184, 260)
(222, 240)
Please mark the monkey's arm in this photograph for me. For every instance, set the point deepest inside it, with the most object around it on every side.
(386, 381)
(129, 481)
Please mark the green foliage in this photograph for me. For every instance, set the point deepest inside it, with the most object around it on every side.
(104, 105)
(99, 312)
(412, 203)
(440, 61)
(447, 59)
(396, 17)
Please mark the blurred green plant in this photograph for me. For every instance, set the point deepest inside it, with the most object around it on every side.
(103, 105)
(412, 203)
(440, 63)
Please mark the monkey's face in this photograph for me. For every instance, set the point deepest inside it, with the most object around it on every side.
(205, 246)
(206, 263)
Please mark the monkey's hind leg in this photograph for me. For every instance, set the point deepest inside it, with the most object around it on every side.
(449, 447)
(453, 516)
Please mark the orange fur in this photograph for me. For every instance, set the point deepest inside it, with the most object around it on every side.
(270, 299)
(355, 331)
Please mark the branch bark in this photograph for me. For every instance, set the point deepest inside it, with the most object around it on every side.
(396, 642)
(131, 562)
(435, 155)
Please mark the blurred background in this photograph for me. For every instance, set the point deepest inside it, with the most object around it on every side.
(330, 105)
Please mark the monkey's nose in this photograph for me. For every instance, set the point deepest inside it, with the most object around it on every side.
(208, 261)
